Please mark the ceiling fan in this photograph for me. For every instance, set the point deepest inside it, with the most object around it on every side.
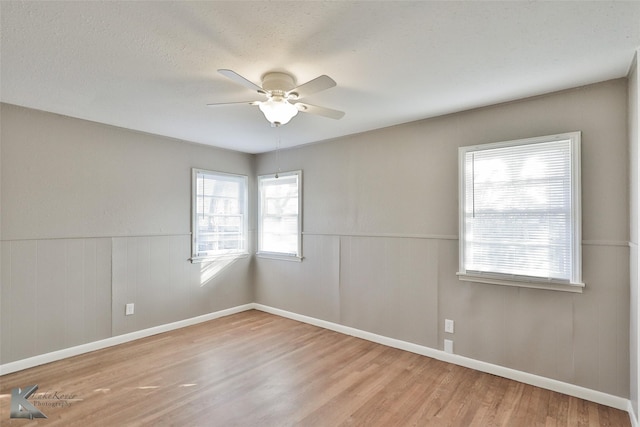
(282, 96)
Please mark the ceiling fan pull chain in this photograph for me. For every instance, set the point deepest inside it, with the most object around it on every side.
(278, 152)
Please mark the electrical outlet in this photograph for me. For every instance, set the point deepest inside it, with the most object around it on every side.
(448, 346)
(448, 325)
(128, 309)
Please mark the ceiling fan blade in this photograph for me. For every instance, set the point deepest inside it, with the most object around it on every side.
(230, 74)
(316, 85)
(222, 104)
(321, 111)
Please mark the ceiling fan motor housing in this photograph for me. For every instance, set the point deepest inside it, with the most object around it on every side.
(278, 82)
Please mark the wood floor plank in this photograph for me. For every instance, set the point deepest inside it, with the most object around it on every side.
(257, 369)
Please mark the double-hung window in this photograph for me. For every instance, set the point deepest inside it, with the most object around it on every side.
(280, 215)
(219, 214)
(520, 213)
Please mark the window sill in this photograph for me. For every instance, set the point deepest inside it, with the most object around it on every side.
(282, 257)
(531, 284)
(212, 258)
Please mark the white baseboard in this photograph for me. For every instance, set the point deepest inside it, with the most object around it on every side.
(523, 377)
(41, 359)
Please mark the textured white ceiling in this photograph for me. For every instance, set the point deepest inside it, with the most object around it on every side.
(151, 66)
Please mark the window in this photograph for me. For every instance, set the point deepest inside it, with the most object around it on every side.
(279, 218)
(219, 209)
(520, 213)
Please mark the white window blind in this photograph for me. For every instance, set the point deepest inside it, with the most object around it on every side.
(219, 206)
(279, 226)
(520, 209)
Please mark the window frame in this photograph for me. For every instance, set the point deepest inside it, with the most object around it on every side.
(280, 255)
(575, 283)
(196, 257)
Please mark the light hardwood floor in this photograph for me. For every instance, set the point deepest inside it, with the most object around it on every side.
(257, 369)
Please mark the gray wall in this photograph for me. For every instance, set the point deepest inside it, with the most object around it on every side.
(94, 217)
(634, 144)
(381, 251)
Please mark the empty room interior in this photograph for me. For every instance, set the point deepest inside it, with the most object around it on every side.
(319, 213)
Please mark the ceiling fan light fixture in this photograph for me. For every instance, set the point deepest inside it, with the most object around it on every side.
(282, 96)
(278, 110)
